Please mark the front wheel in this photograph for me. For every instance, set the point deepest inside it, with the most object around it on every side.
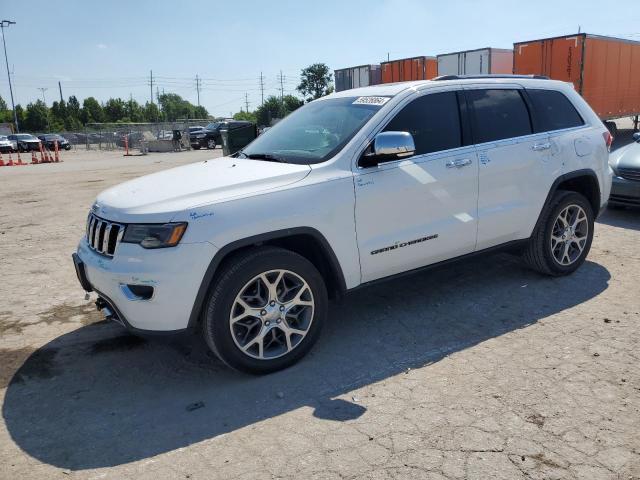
(211, 144)
(265, 311)
(562, 240)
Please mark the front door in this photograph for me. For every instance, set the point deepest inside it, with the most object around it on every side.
(422, 210)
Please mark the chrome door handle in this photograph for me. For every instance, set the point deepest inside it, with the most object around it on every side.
(541, 146)
(459, 163)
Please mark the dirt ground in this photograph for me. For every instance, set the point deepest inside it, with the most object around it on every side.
(482, 370)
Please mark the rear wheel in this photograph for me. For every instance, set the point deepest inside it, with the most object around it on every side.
(562, 240)
(265, 311)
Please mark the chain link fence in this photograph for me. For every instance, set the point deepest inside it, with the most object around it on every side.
(136, 136)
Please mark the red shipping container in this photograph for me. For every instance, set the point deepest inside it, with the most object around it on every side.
(407, 69)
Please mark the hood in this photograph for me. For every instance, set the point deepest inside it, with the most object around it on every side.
(626, 157)
(160, 195)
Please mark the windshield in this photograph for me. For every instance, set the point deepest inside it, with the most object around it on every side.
(24, 136)
(316, 132)
(213, 126)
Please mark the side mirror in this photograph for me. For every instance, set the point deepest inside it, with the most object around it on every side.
(388, 146)
(636, 137)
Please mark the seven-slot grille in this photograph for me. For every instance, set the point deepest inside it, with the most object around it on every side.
(103, 236)
(630, 173)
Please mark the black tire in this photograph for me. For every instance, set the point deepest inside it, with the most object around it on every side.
(232, 278)
(211, 144)
(195, 147)
(538, 254)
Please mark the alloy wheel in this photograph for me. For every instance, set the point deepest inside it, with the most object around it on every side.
(271, 314)
(569, 234)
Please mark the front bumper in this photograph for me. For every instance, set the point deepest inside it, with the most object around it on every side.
(625, 192)
(175, 274)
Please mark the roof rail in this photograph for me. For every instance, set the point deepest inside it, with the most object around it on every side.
(472, 77)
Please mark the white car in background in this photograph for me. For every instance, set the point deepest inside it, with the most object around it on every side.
(7, 145)
(350, 189)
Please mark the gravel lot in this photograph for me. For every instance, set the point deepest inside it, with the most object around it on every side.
(480, 370)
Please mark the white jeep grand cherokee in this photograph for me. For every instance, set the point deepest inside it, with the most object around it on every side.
(352, 188)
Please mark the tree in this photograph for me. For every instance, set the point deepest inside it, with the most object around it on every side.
(151, 112)
(91, 111)
(316, 81)
(291, 103)
(174, 106)
(36, 118)
(114, 110)
(245, 116)
(271, 109)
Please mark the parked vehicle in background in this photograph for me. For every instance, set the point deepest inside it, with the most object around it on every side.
(604, 70)
(481, 61)
(625, 162)
(355, 77)
(407, 69)
(6, 145)
(210, 137)
(349, 189)
(26, 142)
(48, 140)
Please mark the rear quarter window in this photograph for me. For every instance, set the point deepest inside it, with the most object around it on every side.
(553, 111)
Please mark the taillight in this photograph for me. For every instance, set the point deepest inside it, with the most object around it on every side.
(608, 139)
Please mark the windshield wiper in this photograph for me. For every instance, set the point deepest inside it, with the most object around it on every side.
(264, 156)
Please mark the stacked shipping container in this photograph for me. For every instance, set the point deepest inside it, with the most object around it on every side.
(604, 70)
(406, 69)
(481, 61)
(354, 77)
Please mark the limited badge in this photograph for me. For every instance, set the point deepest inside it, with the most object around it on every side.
(371, 100)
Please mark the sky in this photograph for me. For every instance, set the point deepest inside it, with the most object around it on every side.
(107, 49)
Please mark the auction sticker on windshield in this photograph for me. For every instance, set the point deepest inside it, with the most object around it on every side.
(371, 100)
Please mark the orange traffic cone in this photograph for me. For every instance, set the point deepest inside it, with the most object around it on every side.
(43, 159)
(34, 159)
(10, 164)
(1, 161)
(55, 148)
(20, 159)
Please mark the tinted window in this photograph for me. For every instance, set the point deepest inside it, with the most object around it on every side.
(553, 111)
(498, 114)
(433, 120)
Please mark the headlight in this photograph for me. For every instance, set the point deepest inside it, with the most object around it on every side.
(154, 235)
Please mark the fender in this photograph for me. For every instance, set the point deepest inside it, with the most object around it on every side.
(563, 178)
(205, 285)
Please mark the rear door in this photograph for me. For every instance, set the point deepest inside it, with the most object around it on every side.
(414, 212)
(515, 164)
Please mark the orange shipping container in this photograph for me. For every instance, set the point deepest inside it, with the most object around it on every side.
(407, 69)
(604, 70)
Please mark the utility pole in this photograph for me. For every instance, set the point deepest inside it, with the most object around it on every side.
(198, 88)
(151, 84)
(261, 89)
(6, 23)
(246, 101)
(60, 88)
(43, 89)
(281, 87)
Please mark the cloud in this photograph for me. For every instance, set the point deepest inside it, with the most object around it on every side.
(102, 46)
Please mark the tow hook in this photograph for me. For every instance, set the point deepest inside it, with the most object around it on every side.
(103, 306)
